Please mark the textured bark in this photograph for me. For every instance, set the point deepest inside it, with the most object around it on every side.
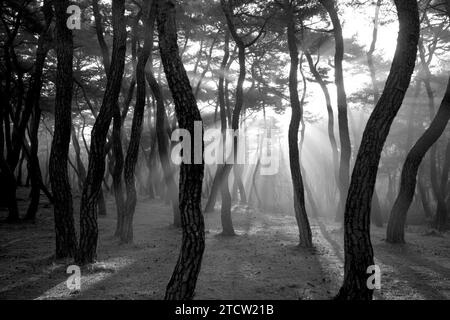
(184, 278)
(357, 244)
(396, 226)
(96, 168)
(131, 158)
(66, 244)
(344, 135)
(305, 236)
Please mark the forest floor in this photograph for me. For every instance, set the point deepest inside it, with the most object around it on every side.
(262, 262)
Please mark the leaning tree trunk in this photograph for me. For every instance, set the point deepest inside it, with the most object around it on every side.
(96, 168)
(305, 237)
(184, 278)
(397, 219)
(136, 126)
(357, 244)
(344, 135)
(66, 243)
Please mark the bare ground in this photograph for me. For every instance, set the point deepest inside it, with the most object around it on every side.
(262, 262)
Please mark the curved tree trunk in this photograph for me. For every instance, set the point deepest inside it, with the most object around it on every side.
(326, 93)
(396, 226)
(305, 236)
(226, 169)
(66, 242)
(136, 126)
(184, 278)
(357, 244)
(96, 168)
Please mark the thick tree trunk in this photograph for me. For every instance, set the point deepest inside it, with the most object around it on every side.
(344, 135)
(357, 244)
(397, 219)
(149, 15)
(305, 236)
(66, 243)
(184, 278)
(96, 168)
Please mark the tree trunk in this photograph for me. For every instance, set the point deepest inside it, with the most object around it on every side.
(397, 219)
(305, 236)
(149, 15)
(440, 222)
(162, 127)
(326, 93)
(357, 244)
(96, 168)
(344, 135)
(225, 216)
(184, 278)
(66, 243)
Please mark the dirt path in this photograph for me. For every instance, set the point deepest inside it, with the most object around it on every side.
(261, 262)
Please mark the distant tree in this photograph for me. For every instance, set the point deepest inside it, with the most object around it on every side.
(344, 135)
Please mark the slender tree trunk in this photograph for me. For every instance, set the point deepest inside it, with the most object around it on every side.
(184, 278)
(357, 244)
(225, 216)
(305, 236)
(149, 15)
(397, 219)
(326, 93)
(117, 171)
(162, 127)
(344, 135)
(96, 168)
(66, 241)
